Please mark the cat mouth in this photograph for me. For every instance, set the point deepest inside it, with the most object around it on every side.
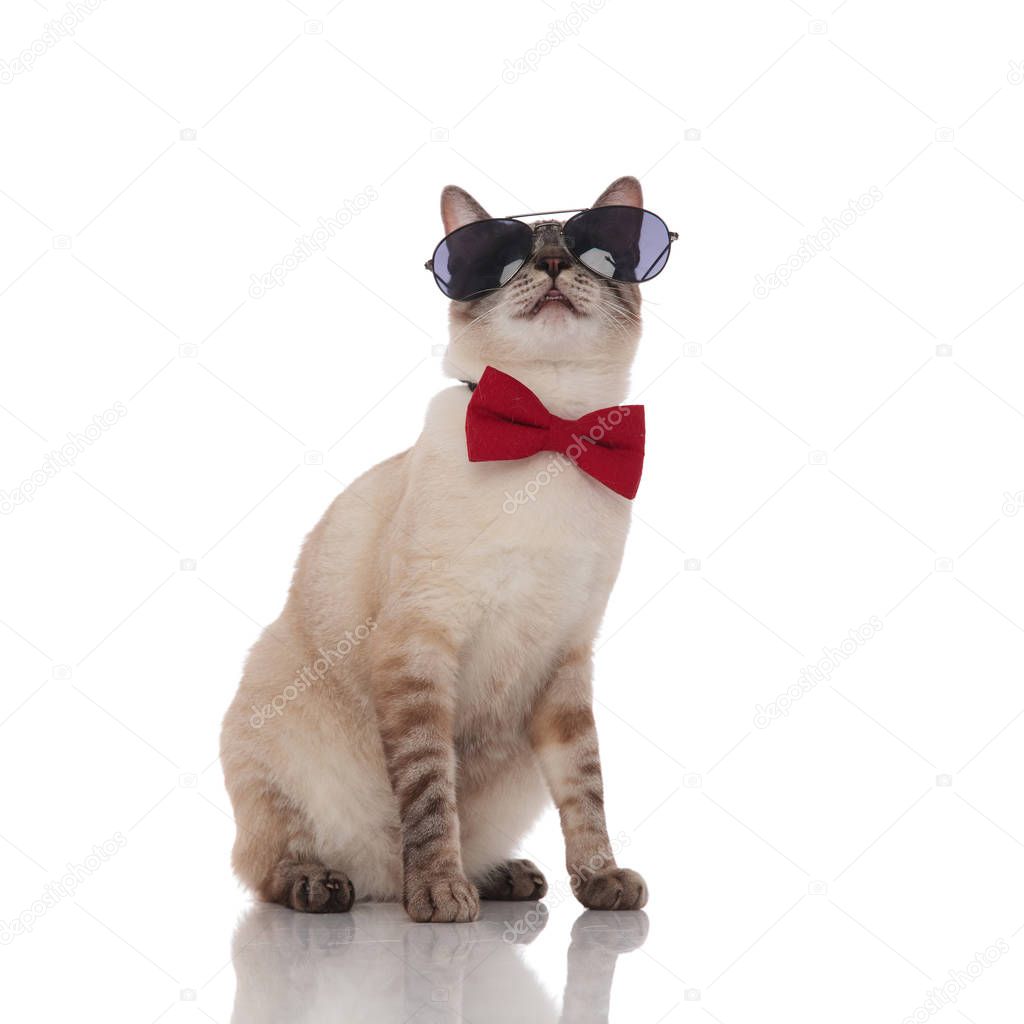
(551, 299)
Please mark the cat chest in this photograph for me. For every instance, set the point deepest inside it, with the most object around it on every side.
(536, 585)
(529, 549)
(516, 628)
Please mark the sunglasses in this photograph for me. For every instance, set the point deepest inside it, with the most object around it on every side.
(620, 243)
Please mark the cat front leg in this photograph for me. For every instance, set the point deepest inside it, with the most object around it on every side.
(414, 699)
(565, 740)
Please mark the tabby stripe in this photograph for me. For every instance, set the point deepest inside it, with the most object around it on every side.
(414, 715)
(564, 736)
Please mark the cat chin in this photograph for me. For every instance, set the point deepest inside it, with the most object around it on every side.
(548, 309)
(571, 337)
(559, 336)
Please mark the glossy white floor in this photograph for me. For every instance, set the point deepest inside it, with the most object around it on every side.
(379, 966)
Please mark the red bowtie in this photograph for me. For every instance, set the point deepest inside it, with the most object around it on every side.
(506, 420)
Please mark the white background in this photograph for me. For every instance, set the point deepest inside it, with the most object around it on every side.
(820, 456)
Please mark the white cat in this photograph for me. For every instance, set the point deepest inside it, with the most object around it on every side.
(431, 670)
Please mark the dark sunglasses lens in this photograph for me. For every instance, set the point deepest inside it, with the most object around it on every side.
(480, 257)
(620, 242)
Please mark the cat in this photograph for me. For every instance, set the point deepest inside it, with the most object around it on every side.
(427, 687)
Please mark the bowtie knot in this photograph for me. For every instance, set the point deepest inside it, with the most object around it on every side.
(565, 436)
(506, 420)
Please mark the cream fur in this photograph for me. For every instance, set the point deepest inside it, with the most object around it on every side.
(429, 533)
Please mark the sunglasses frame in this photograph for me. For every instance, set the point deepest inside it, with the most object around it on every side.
(673, 236)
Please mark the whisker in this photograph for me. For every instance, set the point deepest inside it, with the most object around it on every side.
(616, 312)
(610, 319)
(483, 316)
(620, 308)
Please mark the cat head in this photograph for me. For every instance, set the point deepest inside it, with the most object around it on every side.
(555, 318)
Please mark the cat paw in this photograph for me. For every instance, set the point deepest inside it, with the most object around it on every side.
(442, 899)
(514, 880)
(614, 889)
(315, 889)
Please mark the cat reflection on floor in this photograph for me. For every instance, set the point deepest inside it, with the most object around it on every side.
(375, 965)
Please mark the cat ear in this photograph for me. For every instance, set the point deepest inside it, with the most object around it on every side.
(459, 208)
(622, 192)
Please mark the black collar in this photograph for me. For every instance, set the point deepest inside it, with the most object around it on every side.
(471, 384)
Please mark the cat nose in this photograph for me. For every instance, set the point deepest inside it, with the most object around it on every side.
(552, 265)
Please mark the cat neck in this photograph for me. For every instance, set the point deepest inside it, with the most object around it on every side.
(567, 390)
